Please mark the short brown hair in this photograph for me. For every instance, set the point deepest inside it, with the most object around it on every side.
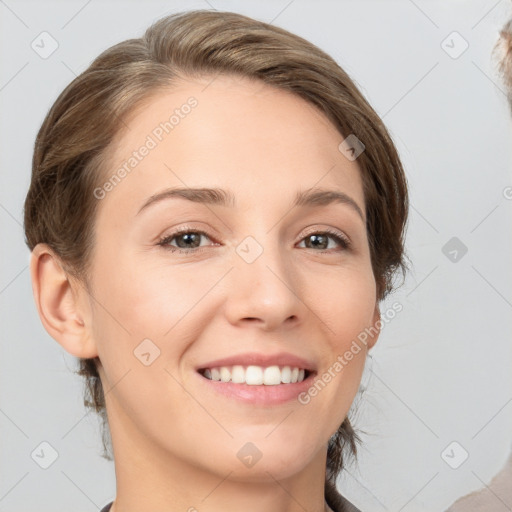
(74, 138)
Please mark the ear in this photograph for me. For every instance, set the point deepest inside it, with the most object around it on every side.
(376, 327)
(60, 303)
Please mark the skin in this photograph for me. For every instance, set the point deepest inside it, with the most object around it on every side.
(176, 441)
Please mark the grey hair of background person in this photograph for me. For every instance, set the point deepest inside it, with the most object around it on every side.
(436, 395)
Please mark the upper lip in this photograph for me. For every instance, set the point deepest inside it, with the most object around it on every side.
(256, 359)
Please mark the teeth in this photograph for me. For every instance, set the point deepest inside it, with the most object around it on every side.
(237, 374)
(256, 375)
(272, 375)
(225, 374)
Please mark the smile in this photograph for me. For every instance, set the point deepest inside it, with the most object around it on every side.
(256, 375)
(284, 383)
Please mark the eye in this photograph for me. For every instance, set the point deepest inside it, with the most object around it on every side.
(188, 240)
(320, 239)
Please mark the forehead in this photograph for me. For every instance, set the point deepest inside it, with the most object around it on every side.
(262, 141)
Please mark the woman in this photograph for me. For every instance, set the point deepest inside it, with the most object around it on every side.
(215, 214)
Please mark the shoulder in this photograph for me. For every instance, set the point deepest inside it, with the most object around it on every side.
(482, 500)
(336, 501)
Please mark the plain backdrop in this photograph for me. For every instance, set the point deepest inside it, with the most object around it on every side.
(437, 400)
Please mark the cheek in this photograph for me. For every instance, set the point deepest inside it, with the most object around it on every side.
(146, 300)
(345, 303)
(146, 312)
(346, 307)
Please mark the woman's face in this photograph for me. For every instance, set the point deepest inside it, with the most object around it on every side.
(256, 274)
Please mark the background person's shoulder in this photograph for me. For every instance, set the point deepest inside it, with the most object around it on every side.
(494, 498)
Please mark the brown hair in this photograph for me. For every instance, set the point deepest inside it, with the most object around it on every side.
(72, 143)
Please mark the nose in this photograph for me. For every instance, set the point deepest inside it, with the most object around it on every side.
(266, 292)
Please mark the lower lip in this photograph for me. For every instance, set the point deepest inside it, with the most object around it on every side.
(262, 394)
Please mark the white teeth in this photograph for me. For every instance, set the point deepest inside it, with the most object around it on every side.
(272, 376)
(256, 375)
(225, 374)
(286, 375)
(237, 374)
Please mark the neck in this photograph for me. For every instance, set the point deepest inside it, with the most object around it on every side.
(149, 478)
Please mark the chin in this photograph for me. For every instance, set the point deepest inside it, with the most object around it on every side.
(265, 458)
(268, 471)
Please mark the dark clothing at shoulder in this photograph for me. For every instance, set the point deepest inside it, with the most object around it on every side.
(334, 499)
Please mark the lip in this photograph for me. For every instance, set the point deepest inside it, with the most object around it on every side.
(264, 360)
(261, 395)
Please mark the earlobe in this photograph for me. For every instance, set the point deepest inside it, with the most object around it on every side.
(60, 310)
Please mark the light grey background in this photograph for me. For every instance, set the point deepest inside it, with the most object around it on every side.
(441, 370)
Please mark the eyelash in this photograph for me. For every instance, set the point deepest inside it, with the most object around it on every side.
(342, 240)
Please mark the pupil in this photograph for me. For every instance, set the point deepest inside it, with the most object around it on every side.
(187, 237)
(316, 238)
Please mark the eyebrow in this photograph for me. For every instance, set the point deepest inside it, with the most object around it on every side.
(220, 197)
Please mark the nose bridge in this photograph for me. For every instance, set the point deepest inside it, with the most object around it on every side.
(264, 284)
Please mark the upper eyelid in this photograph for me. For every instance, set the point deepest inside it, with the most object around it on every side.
(329, 231)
